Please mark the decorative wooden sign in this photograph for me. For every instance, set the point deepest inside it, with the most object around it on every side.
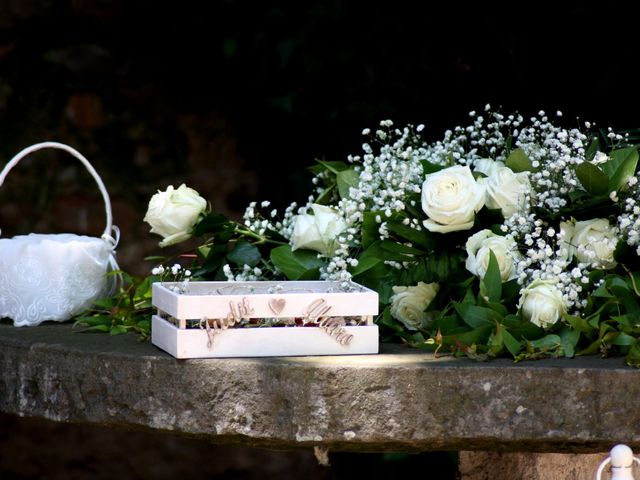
(264, 319)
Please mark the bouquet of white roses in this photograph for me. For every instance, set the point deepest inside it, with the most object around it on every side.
(507, 237)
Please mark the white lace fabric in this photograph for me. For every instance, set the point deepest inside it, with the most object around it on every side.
(51, 277)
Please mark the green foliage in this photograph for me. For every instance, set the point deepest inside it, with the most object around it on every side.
(428, 167)
(129, 310)
(346, 179)
(244, 253)
(491, 284)
(594, 180)
(621, 167)
(337, 176)
(518, 161)
(594, 146)
(610, 176)
(298, 265)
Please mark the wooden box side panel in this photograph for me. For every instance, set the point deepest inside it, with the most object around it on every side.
(261, 342)
(163, 299)
(275, 305)
(295, 305)
(163, 335)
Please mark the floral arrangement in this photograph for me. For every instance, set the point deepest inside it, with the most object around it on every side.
(509, 236)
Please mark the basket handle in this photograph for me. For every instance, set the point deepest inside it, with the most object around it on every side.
(61, 146)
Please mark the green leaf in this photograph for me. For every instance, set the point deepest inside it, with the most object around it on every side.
(387, 320)
(144, 325)
(216, 256)
(101, 328)
(569, 339)
(496, 341)
(477, 335)
(469, 297)
(395, 247)
(106, 303)
(296, 264)
(592, 349)
(592, 179)
(475, 316)
(365, 264)
(448, 324)
(428, 167)
(633, 357)
(625, 170)
(510, 290)
(618, 157)
(310, 274)
(508, 144)
(334, 167)
(245, 253)
(623, 339)
(625, 320)
(518, 161)
(211, 223)
(492, 281)
(602, 291)
(497, 307)
(594, 146)
(579, 324)
(370, 228)
(408, 233)
(387, 250)
(345, 180)
(203, 251)
(627, 298)
(326, 195)
(445, 267)
(513, 345)
(124, 276)
(118, 330)
(92, 321)
(547, 342)
(377, 278)
(415, 210)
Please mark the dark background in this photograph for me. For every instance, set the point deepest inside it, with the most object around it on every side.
(237, 98)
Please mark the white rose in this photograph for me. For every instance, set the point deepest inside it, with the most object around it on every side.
(318, 231)
(488, 166)
(479, 246)
(541, 303)
(173, 213)
(591, 241)
(408, 305)
(506, 190)
(451, 198)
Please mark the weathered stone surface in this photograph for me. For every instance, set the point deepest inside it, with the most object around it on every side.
(538, 466)
(399, 400)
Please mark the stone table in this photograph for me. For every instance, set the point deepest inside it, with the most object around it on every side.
(399, 400)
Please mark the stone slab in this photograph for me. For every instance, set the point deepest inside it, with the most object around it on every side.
(400, 400)
(532, 466)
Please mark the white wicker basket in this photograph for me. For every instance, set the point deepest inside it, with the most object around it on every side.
(199, 323)
(55, 276)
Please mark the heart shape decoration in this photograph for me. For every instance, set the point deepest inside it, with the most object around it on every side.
(277, 305)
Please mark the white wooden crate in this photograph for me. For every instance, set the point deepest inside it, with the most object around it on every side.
(178, 326)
